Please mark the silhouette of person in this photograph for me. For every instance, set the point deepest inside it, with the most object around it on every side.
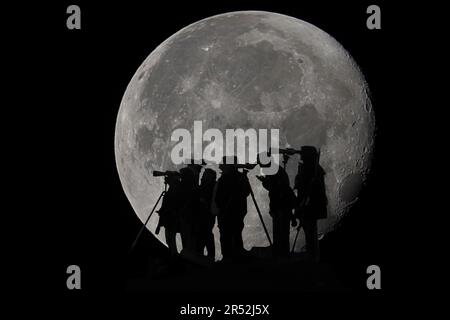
(311, 198)
(188, 205)
(205, 218)
(231, 199)
(196, 169)
(282, 201)
(169, 213)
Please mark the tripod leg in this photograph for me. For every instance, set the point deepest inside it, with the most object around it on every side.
(145, 224)
(295, 240)
(260, 216)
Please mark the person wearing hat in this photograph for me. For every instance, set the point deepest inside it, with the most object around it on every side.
(282, 201)
(169, 213)
(206, 219)
(188, 204)
(311, 198)
(231, 199)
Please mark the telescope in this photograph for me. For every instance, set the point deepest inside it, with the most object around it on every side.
(247, 166)
(157, 173)
(286, 152)
(289, 151)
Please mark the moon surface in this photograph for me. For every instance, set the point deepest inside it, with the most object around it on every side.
(248, 69)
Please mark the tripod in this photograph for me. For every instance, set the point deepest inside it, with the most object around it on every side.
(260, 216)
(259, 212)
(296, 236)
(286, 158)
(149, 216)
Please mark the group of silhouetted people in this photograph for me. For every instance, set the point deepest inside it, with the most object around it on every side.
(191, 206)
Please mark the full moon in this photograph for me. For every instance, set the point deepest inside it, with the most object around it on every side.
(248, 69)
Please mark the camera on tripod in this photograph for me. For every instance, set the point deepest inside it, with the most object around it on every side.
(167, 173)
(289, 151)
(246, 166)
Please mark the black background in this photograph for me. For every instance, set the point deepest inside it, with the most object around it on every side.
(79, 77)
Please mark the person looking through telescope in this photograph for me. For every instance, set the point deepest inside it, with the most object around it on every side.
(282, 201)
(311, 198)
(169, 212)
(231, 199)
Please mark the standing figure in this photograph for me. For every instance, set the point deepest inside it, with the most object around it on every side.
(311, 198)
(231, 199)
(205, 218)
(282, 201)
(188, 205)
(169, 212)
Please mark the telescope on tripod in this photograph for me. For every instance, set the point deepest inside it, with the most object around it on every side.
(170, 176)
(167, 175)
